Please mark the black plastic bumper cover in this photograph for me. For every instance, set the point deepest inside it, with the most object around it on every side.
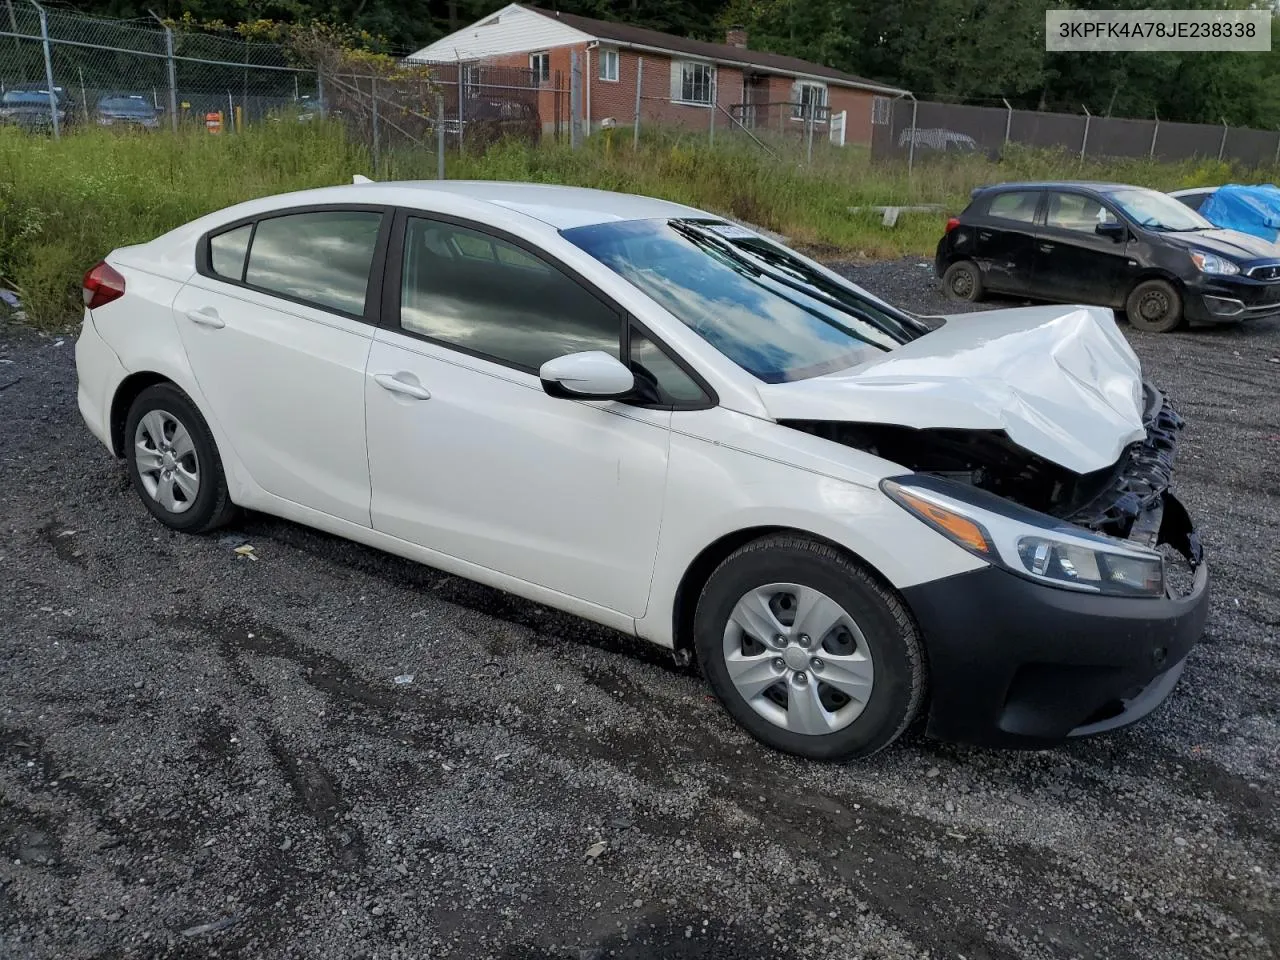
(1015, 663)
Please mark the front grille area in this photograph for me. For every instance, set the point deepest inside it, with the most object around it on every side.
(1136, 491)
(1266, 271)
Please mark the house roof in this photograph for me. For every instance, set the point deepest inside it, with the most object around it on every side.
(626, 34)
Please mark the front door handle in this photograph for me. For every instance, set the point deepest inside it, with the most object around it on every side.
(206, 317)
(393, 383)
(1046, 248)
(984, 234)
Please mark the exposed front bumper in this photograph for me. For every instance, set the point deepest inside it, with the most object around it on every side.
(1214, 299)
(1020, 664)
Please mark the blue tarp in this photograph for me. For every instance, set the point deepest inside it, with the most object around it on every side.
(1249, 209)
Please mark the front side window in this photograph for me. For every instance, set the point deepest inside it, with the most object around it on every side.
(695, 82)
(227, 252)
(540, 64)
(322, 257)
(760, 305)
(1075, 211)
(608, 64)
(490, 297)
(1016, 205)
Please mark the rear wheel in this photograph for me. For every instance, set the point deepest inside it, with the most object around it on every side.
(808, 651)
(1154, 306)
(173, 462)
(963, 281)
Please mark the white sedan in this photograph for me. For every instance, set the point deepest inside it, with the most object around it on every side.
(647, 416)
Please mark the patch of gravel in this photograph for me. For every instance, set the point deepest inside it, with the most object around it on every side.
(202, 755)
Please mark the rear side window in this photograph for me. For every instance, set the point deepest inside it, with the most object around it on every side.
(227, 252)
(1017, 205)
(487, 296)
(322, 258)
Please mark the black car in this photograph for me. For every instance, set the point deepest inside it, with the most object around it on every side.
(1109, 244)
(133, 110)
(30, 107)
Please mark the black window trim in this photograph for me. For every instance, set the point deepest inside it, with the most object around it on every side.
(373, 292)
(1037, 218)
(390, 318)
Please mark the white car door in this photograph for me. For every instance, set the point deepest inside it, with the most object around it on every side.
(470, 457)
(277, 327)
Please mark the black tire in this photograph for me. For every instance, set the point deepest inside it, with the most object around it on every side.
(211, 507)
(963, 281)
(1154, 306)
(894, 644)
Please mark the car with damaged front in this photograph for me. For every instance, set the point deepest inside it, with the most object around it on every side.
(645, 415)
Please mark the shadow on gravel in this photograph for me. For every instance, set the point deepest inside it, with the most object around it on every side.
(661, 936)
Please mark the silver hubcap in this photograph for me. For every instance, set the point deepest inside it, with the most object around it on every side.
(798, 658)
(167, 461)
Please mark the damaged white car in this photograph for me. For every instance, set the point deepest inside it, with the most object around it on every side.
(644, 415)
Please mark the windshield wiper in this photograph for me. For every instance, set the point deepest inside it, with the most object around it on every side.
(755, 261)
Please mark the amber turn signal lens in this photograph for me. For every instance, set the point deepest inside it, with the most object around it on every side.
(961, 529)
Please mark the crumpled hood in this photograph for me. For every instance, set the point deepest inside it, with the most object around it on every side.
(1061, 382)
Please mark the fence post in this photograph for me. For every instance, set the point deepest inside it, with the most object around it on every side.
(373, 96)
(911, 150)
(1084, 141)
(635, 136)
(1222, 144)
(84, 97)
(575, 100)
(48, 71)
(715, 98)
(809, 112)
(1008, 119)
(1276, 161)
(231, 114)
(1155, 132)
(440, 136)
(173, 77)
(320, 90)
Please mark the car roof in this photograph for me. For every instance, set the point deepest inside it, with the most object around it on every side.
(1100, 186)
(557, 206)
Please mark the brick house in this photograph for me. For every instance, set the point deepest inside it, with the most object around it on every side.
(679, 79)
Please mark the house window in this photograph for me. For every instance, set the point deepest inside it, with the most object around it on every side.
(608, 64)
(696, 82)
(880, 111)
(540, 64)
(811, 101)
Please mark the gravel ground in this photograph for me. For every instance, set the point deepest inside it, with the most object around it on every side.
(202, 755)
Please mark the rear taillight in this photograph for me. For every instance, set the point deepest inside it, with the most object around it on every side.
(102, 284)
(952, 224)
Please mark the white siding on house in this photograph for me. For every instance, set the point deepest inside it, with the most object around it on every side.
(511, 30)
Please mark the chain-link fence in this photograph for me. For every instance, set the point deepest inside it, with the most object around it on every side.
(916, 131)
(61, 70)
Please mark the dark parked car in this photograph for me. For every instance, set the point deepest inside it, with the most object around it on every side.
(27, 106)
(1109, 244)
(128, 110)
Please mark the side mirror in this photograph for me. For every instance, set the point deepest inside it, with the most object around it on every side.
(592, 375)
(1116, 231)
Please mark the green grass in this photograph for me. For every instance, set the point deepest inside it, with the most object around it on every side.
(64, 204)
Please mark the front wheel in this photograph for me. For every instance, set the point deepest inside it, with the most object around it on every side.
(808, 651)
(1154, 306)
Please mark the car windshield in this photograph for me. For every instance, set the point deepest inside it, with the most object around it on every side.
(762, 306)
(126, 104)
(24, 97)
(1157, 211)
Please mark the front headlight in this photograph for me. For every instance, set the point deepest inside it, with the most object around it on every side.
(1212, 263)
(1027, 543)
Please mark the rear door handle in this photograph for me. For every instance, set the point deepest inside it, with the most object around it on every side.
(393, 383)
(206, 317)
(1046, 248)
(984, 234)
